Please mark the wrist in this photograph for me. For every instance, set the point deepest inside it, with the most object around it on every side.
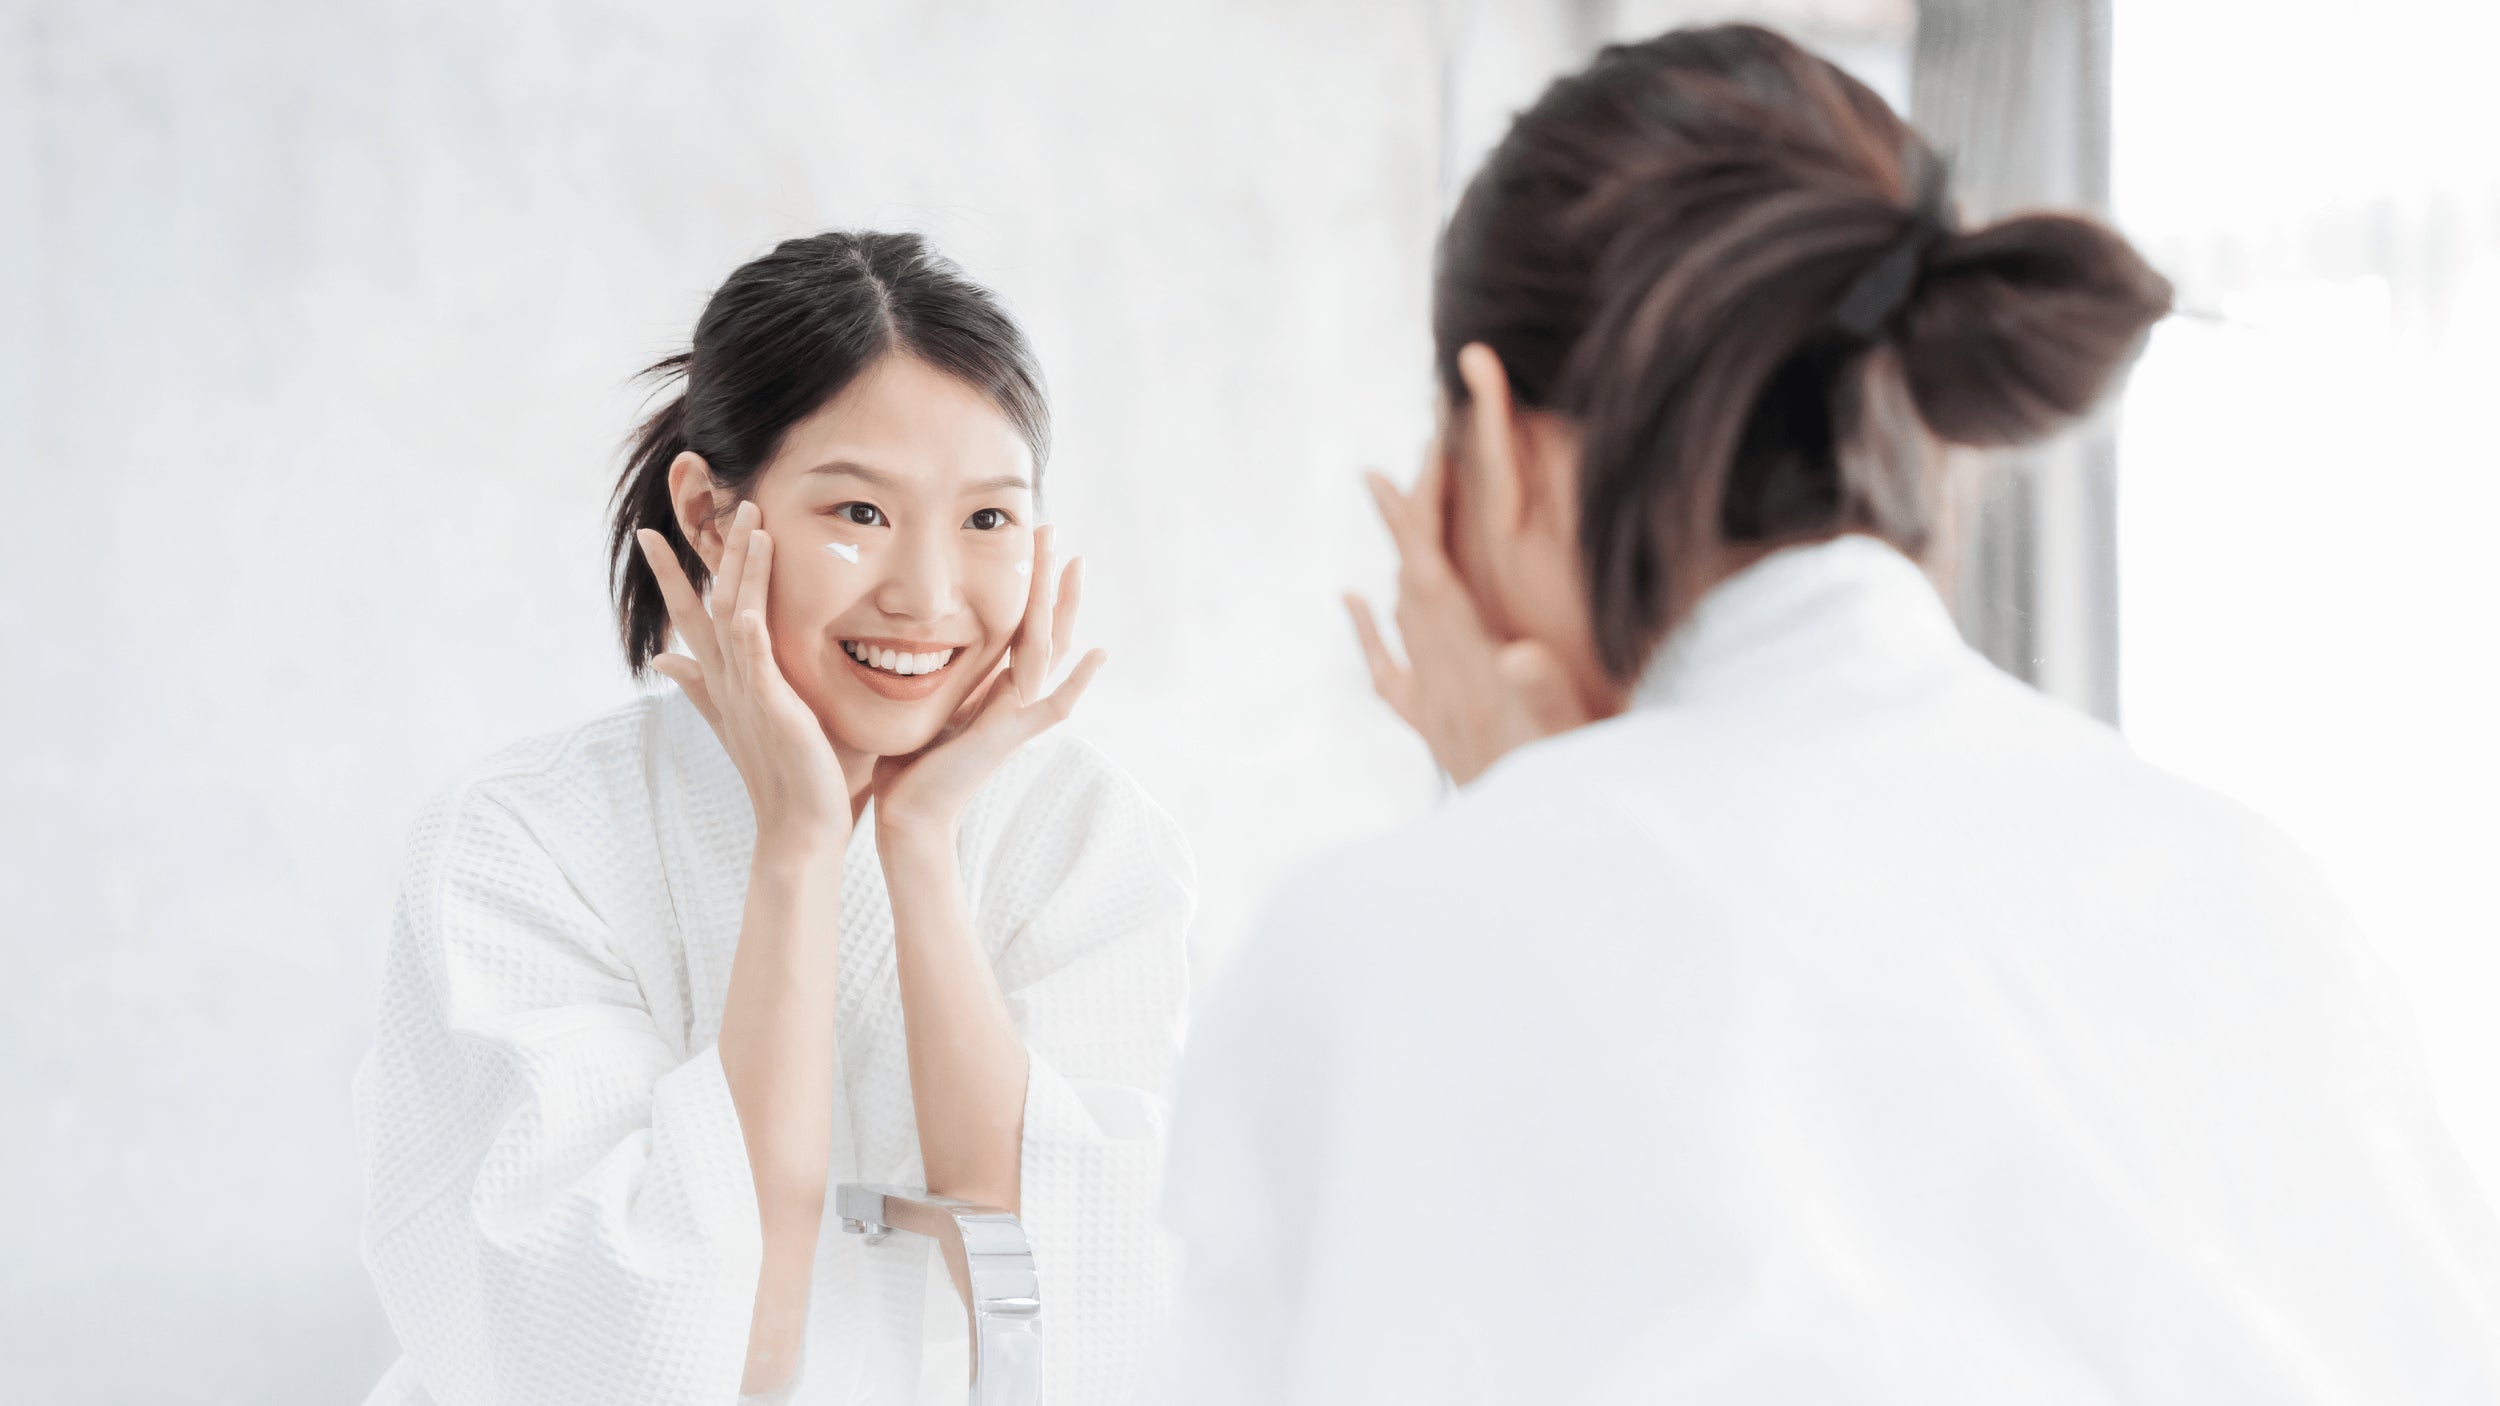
(800, 848)
(904, 840)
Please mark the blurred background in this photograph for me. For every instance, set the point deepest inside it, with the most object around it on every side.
(318, 326)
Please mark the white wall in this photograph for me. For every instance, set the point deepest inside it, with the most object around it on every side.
(315, 326)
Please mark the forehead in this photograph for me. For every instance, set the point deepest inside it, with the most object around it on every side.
(908, 420)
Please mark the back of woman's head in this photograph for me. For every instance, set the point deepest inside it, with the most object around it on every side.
(1733, 268)
(785, 334)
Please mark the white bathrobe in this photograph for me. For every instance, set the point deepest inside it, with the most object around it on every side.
(559, 1207)
(1845, 1023)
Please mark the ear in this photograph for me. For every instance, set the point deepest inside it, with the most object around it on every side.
(1531, 456)
(1493, 431)
(698, 501)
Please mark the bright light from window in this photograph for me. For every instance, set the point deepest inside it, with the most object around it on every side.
(2310, 596)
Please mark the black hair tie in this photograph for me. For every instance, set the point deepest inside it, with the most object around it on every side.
(1880, 292)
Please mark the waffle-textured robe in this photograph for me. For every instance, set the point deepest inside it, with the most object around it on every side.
(559, 1207)
(1844, 1023)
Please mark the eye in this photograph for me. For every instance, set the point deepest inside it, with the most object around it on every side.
(998, 516)
(859, 514)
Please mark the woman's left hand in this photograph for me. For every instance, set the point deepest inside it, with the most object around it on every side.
(926, 791)
(1472, 696)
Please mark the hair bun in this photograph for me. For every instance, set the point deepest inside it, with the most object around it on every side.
(2016, 328)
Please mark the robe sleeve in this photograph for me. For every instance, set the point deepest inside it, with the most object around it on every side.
(1096, 977)
(558, 1203)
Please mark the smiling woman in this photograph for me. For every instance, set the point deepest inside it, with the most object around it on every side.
(833, 909)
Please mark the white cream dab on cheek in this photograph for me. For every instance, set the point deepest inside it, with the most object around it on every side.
(847, 551)
(1024, 568)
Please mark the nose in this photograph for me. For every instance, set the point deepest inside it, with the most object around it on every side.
(920, 580)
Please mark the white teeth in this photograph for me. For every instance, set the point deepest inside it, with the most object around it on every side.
(896, 662)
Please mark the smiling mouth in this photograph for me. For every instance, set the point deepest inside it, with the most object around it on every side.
(899, 664)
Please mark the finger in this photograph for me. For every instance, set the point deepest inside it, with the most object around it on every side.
(733, 561)
(990, 708)
(754, 587)
(755, 646)
(754, 632)
(1391, 503)
(688, 676)
(1429, 501)
(1063, 615)
(1391, 680)
(1415, 531)
(685, 607)
(1375, 649)
(1062, 701)
(1029, 659)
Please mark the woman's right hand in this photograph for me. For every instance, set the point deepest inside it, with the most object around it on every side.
(1472, 696)
(791, 773)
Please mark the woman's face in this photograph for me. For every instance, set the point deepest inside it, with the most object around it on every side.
(901, 514)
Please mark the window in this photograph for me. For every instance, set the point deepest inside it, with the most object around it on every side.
(2308, 483)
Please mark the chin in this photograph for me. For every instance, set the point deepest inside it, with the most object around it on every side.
(884, 737)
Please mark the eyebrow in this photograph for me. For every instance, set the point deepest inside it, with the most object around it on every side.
(888, 482)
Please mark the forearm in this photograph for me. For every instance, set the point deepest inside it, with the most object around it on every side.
(967, 1061)
(777, 1049)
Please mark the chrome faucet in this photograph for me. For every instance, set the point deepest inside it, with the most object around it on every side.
(991, 1263)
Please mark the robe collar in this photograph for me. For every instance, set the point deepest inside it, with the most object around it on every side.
(1853, 606)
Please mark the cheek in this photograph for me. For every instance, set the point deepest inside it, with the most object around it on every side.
(811, 587)
(997, 592)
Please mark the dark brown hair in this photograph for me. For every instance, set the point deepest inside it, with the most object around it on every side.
(1660, 249)
(784, 335)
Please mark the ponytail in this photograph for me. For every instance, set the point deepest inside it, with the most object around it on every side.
(642, 500)
(2018, 328)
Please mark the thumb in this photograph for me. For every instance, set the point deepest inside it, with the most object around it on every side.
(687, 675)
